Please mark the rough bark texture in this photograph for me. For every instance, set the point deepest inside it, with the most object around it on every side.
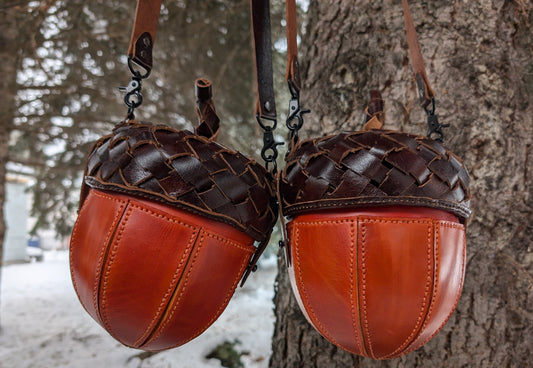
(479, 57)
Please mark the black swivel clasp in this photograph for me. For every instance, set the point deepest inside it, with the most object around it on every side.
(295, 118)
(434, 127)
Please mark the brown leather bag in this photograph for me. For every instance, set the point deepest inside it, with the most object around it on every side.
(168, 218)
(376, 232)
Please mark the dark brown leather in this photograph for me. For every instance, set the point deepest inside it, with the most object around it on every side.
(377, 282)
(373, 168)
(209, 123)
(187, 171)
(143, 33)
(266, 105)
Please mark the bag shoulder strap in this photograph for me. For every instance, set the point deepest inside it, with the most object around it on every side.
(293, 74)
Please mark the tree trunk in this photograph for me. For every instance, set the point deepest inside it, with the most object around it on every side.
(10, 56)
(479, 57)
(19, 29)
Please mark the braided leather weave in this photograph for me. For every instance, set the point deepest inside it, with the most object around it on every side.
(369, 168)
(185, 170)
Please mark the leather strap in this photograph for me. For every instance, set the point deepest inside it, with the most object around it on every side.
(143, 34)
(293, 72)
(292, 75)
(425, 93)
(266, 105)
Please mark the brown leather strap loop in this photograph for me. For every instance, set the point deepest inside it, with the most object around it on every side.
(266, 105)
(292, 75)
(143, 34)
(293, 72)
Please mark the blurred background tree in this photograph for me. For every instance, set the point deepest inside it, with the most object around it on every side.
(62, 64)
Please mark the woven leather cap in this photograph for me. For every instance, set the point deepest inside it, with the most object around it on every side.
(184, 170)
(373, 168)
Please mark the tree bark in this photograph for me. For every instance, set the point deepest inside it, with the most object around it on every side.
(479, 57)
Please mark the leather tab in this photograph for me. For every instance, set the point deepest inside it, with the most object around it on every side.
(143, 33)
(266, 105)
(209, 123)
(374, 115)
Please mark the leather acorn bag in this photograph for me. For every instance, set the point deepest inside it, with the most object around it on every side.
(376, 232)
(168, 219)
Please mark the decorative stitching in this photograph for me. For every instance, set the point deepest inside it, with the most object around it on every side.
(103, 305)
(363, 284)
(317, 323)
(455, 207)
(355, 309)
(410, 338)
(223, 305)
(165, 299)
(73, 245)
(163, 216)
(458, 296)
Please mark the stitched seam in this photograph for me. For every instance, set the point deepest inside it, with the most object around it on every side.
(363, 284)
(159, 215)
(166, 298)
(103, 308)
(353, 282)
(106, 242)
(167, 320)
(458, 207)
(427, 290)
(220, 308)
(223, 305)
(435, 289)
(317, 323)
(105, 249)
(458, 292)
(136, 192)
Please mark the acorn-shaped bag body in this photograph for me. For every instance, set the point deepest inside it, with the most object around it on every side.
(376, 237)
(166, 230)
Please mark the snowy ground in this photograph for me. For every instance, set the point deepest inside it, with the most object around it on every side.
(43, 324)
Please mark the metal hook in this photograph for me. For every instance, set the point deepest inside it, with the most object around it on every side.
(295, 118)
(434, 127)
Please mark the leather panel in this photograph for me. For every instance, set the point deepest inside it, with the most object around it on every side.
(450, 255)
(92, 233)
(324, 265)
(142, 271)
(210, 279)
(395, 273)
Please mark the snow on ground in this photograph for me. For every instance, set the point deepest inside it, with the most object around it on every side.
(43, 325)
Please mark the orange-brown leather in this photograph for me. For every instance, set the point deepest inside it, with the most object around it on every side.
(143, 33)
(425, 92)
(154, 276)
(377, 282)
